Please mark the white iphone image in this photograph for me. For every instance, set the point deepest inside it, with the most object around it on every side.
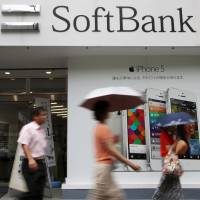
(186, 101)
(115, 124)
(134, 136)
(155, 108)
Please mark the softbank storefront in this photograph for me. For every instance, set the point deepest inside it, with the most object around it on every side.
(150, 45)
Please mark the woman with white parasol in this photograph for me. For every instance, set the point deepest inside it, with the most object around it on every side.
(101, 102)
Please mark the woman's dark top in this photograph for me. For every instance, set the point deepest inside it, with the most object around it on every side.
(188, 152)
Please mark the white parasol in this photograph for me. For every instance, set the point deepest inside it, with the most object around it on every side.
(119, 98)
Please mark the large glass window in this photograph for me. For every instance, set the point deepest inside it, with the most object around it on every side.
(19, 90)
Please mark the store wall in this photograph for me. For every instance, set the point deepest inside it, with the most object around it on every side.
(88, 73)
(107, 23)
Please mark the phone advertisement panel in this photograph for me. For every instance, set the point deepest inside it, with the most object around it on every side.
(144, 136)
(189, 107)
(157, 109)
(139, 129)
(141, 73)
(136, 134)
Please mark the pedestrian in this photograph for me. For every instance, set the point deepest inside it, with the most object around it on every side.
(32, 137)
(170, 186)
(166, 140)
(185, 132)
(106, 152)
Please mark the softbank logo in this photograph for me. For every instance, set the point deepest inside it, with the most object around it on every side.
(124, 19)
(19, 10)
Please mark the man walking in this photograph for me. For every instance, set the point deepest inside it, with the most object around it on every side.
(33, 140)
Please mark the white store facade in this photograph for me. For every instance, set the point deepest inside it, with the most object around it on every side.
(98, 42)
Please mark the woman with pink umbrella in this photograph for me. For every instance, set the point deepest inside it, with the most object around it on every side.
(112, 99)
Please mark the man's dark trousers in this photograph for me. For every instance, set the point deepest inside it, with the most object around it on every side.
(35, 180)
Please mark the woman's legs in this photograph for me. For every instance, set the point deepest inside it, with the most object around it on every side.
(161, 189)
(114, 192)
(175, 191)
(169, 189)
(105, 187)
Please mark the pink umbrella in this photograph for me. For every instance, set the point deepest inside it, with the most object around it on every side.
(119, 98)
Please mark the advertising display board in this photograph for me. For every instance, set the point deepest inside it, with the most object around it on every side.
(152, 75)
(50, 151)
(136, 134)
(17, 181)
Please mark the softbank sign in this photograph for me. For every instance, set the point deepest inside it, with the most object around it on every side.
(101, 23)
(123, 19)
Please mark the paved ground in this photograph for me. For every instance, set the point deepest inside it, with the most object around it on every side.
(54, 198)
(57, 198)
(9, 198)
(57, 195)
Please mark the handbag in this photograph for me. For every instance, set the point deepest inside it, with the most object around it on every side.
(172, 165)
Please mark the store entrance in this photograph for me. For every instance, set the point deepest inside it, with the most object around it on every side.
(19, 91)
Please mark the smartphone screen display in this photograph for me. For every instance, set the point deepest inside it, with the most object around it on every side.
(157, 109)
(136, 134)
(189, 107)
